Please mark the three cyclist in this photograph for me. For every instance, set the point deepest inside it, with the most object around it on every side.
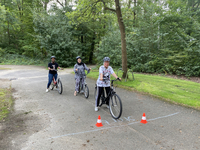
(79, 70)
(103, 80)
(52, 67)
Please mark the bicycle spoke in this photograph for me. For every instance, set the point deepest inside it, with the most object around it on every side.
(115, 106)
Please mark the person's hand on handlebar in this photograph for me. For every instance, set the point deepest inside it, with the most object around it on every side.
(50, 69)
(119, 79)
(116, 76)
(60, 68)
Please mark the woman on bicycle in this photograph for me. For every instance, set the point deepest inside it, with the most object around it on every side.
(79, 69)
(52, 66)
(103, 80)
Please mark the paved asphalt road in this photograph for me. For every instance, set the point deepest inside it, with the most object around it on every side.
(49, 121)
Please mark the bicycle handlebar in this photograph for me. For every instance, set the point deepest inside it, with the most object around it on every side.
(112, 81)
(56, 69)
(115, 80)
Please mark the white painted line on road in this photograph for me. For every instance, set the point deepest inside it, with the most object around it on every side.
(163, 117)
(37, 77)
(32, 77)
(55, 137)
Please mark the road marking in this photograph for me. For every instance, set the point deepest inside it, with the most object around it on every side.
(55, 137)
(38, 76)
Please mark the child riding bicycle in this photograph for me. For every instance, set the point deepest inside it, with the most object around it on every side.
(79, 69)
(52, 67)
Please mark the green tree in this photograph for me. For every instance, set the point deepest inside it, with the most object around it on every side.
(96, 9)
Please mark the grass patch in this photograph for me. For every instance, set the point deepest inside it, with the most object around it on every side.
(14, 59)
(6, 102)
(5, 68)
(178, 91)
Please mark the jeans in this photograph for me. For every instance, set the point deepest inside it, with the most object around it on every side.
(51, 78)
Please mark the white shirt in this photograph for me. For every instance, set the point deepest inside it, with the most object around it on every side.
(106, 76)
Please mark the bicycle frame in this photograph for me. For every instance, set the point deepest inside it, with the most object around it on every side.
(111, 92)
(85, 83)
(55, 81)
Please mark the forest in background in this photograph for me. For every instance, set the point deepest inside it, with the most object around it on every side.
(159, 36)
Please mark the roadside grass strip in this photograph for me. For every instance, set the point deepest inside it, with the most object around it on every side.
(186, 93)
(2, 68)
(6, 102)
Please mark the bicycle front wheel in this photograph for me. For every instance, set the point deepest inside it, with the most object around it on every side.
(52, 86)
(86, 91)
(115, 106)
(59, 86)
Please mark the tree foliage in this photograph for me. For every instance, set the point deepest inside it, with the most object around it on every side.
(160, 36)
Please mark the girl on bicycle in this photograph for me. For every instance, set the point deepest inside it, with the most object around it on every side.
(79, 69)
(52, 66)
(103, 80)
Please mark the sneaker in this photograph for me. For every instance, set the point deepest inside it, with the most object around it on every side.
(47, 90)
(96, 109)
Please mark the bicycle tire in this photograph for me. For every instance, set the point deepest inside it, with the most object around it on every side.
(86, 91)
(51, 86)
(60, 87)
(115, 106)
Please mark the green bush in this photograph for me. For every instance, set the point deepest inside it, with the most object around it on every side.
(14, 59)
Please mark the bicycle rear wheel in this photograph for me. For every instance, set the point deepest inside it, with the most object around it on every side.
(86, 91)
(59, 86)
(115, 106)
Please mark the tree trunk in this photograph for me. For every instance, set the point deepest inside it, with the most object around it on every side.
(45, 5)
(123, 38)
(82, 43)
(134, 10)
(8, 33)
(92, 49)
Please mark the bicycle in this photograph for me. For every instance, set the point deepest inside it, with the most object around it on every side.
(115, 104)
(84, 87)
(58, 84)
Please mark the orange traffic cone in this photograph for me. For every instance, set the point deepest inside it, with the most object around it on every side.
(144, 121)
(99, 124)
